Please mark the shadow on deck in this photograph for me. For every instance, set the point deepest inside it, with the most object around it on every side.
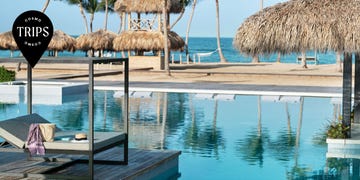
(143, 164)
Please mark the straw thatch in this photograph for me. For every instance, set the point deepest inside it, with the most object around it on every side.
(7, 41)
(146, 41)
(61, 42)
(99, 40)
(147, 6)
(300, 25)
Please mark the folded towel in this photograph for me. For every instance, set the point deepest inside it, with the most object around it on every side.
(35, 140)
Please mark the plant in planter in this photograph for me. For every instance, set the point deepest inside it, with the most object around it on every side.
(6, 75)
(337, 131)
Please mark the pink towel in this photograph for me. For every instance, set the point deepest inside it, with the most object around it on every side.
(35, 140)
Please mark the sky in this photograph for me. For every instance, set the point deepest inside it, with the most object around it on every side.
(68, 18)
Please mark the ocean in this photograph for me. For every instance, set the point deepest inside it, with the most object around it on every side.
(208, 45)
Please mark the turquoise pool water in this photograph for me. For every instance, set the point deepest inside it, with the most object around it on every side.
(247, 137)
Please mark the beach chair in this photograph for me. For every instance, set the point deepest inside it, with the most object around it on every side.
(14, 132)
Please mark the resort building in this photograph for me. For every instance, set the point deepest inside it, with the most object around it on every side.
(143, 33)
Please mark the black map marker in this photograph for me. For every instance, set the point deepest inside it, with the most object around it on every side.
(32, 31)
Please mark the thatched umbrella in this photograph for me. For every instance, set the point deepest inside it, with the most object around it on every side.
(294, 26)
(96, 41)
(61, 42)
(7, 41)
(146, 40)
(147, 6)
(301, 25)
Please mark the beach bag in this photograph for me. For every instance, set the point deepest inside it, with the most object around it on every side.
(47, 131)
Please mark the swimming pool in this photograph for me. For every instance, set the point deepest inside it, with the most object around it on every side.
(237, 137)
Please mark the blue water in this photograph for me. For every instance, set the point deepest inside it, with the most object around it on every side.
(250, 137)
(204, 45)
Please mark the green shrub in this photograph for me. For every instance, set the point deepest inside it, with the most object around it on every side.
(6, 75)
(337, 131)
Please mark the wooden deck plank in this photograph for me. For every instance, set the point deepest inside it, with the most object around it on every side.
(141, 163)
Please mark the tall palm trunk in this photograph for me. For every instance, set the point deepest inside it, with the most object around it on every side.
(84, 16)
(221, 55)
(278, 58)
(122, 28)
(338, 62)
(45, 6)
(188, 28)
(106, 14)
(121, 23)
(91, 22)
(178, 18)
(166, 47)
(255, 58)
(303, 60)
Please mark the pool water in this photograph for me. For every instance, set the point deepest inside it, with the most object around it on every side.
(247, 137)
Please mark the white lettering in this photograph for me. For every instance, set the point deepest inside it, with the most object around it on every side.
(19, 29)
(33, 31)
(27, 32)
(46, 32)
(38, 31)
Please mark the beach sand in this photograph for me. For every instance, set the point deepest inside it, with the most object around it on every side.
(239, 73)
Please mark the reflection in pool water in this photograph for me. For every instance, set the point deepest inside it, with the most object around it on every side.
(247, 137)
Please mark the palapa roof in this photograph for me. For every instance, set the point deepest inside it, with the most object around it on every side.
(99, 40)
(7, 41)
(61, 42)
(147, 40)
(148, 6)
(300, 25)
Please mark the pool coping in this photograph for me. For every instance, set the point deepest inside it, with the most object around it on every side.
(219, 88)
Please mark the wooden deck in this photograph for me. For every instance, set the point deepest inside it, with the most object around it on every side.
(143, 164)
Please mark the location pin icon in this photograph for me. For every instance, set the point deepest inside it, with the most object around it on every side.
(32, 31)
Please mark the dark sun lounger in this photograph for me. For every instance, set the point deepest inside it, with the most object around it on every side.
(15, 131)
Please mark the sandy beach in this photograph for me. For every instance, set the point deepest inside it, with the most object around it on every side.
(239, 73)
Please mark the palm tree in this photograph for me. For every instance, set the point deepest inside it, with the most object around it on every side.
(184, 4)
(81, 8)
(45, 6)
(303, 59)
(91, 6)
(221, 55)
(338, 61)
(188, 28)
(278, 58)
(255, 58)
(166, 28)
(106, 14)
(107, 6)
